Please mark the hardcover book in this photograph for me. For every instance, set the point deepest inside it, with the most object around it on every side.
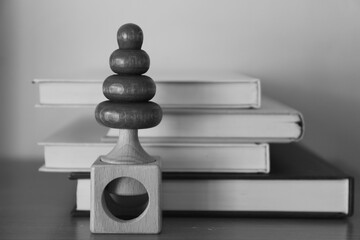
(299, 184)
(78, 145)
(273, 122)
(179, 90)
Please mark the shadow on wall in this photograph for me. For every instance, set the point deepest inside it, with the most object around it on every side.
(6, 57)
(331, 121)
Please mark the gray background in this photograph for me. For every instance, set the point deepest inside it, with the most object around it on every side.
(306, 52)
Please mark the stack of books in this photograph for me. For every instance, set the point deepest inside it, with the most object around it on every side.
(214, 145)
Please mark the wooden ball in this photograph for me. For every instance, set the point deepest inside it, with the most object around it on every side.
(130, 36)
(129, 88)
(129, 61)
(128, 115)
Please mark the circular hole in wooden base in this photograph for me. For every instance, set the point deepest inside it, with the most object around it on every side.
(125, 198)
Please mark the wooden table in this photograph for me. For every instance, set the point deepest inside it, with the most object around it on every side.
(36, 205)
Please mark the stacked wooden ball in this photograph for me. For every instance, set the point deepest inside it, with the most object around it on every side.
(128, 90)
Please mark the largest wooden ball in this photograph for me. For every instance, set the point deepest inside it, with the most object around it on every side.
(128, 115)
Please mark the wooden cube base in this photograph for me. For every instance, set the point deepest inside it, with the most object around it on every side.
(102, 220)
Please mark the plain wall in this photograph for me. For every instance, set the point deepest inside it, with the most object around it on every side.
(306, 52)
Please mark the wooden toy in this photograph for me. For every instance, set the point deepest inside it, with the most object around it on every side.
(125, 184)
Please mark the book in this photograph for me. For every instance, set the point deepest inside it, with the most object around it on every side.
(78, 145)
(273, 122)
(300, 184)
(180, 90)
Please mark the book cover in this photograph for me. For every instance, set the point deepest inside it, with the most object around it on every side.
(301, 184)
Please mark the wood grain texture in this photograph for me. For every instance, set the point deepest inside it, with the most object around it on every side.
(129, 61)
(130, 36)
(128, 150)
(102, 220)
(129, 88)
(128, 115)
(37, 206)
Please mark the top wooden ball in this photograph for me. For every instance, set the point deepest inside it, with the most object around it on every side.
(130, 36)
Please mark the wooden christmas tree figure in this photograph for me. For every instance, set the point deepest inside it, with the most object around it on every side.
(125, 184)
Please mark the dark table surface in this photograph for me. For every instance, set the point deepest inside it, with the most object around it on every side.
(36, 205)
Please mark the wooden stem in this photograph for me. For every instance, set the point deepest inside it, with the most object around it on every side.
(128, 150)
